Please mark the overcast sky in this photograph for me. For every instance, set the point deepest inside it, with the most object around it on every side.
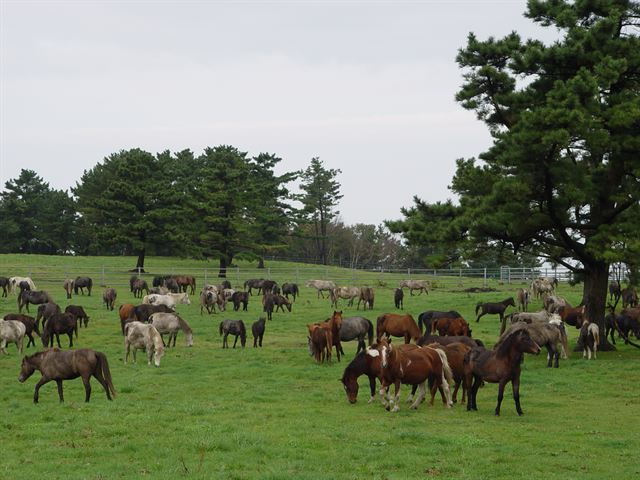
(366, 86)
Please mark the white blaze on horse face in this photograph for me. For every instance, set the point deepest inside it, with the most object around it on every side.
(384, 357)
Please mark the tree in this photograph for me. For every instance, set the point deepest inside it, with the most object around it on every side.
(35, 218)
(562, 177)
(320, 197)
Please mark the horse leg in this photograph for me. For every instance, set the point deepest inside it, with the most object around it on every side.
(372, 388)
(235, 341)
(70, 339)
(41, 382)
(550, 354)
(455, 392)
(472, 391)
(515, 383)
(175, 336)
(501, 386)
(87, 387)
(413, 392)
(58, 339)
(421, 396)
(481, 314)
(396, 397)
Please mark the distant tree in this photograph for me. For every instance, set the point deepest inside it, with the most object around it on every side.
(321, 193)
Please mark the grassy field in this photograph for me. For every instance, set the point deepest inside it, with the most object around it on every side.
(273, 413)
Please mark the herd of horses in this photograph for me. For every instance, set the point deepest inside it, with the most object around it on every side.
(437, 352)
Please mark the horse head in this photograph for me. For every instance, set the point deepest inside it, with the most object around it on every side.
(27, 368)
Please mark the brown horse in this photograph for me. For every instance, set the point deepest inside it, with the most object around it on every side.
(57, 324)
(572, 316)
(497, 308)
(451, 326)
(320, 340)
(61, 365)
(455, 356)
(398, 326)
(426, 339)
(332, 324)
(413, 367)
(362, 364)
(124, 312)
(500, 365)
(186, 281)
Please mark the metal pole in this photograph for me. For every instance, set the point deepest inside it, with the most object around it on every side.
(484, 283)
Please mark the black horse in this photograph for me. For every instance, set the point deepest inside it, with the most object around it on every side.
(240, 298)
(497, 308)
(79, 313)
(37, 297)
(290, 289)
(233, 327)
(425, 318)
(4, 283)
(253, 283)
(59, 323)
(258, 331)
(82, 283)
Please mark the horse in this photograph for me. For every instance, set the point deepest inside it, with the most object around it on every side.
(82, 283)
(109, 298)
(14, 283)
(12, 331)
(170, 300)
(141, 313)
(545, 334)
(523, 299)
(629, 297)
(398, 326)
(4, 283)
(240, 298)
(572, 316)
(36, 297)
(451, 326)
(186, 282)
(290, 289)
(29, 323)
(494, 308)
(170, 323)
(590, 338)
(455, 353)
(426, 339)
(270, 286)
(615, 291)
(359, 366)
(125, 312)
(333, 325)
(413, 367)
(278, 301)
(543, 286)
(257, 329)
(367, 296)
(57, 324)
(79, 313)
(68, 287)
(208, 301)
(60, 365)
(553, 303)
(143, 336)
(252, 283)
(347, 293)
(398, 298)
(425, 318)
(356, 328)
(420, 285)
(500, 365)
(46, 310)
(321, 286)
(233, 327)
(320, 340)
(159, 291)
(137, 286)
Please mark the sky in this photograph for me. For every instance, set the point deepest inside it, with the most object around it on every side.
(368, 87)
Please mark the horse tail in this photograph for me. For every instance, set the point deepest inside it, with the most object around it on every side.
(220, 328)
(370, 332)
(380, 326)
(563, 340)
(478, 307)
(447, 376)
(102, 368)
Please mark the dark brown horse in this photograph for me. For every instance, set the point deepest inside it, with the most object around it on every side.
(46, 310)
(497, 308)
(392, 324)
(451, 326)
(455, 356)
(240, 298)
(320, 341)
(109, 298)
(138, 286)
(4, 284)
(186, 282)
(426, 339)
(61, 365)
(82, 283)
(573, 316)
(79, 313)
(59, 323)
(360, 365)
(425, 318)
(629, 297)
(500, 365)
(257, 329)
(37, 297)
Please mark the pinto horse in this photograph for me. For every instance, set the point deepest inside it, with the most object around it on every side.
(500, 365)
(398, 326)
(413, 367)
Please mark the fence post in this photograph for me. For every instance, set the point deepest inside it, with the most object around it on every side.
(269, 273)
(509, 275)
(409, 272)
(237, 275)
(205, 276)
(103, 283)
(297, 275)
(484, 282)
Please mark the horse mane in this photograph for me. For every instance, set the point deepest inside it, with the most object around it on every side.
(504, 344)
(155, 337)
(184, 326)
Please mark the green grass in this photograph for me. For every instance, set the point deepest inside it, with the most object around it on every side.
(273, 413)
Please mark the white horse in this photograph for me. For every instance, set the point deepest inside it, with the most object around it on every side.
(170, 299)
(11, 331)
(145, 337)
(170, 323)
(14, 283)
(347, 293)
(321, 286)
(420, 285)
(590, 336)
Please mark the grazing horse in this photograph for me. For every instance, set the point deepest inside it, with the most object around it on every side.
(360, 366)
(346, 293)
(170, 323)
(451, 326)
(278, 301)
(425, 318)
(141, 313)
(356, 328)
(79, 313)
(333, 325)
(37, 297)
(139, 285)
(30, 324)
(143, 336)
(233, 327)
(45, 311)
(367, 296)
(257, 329)
(553, 336)
(16, 282)
(290, 289)
(12, 331)
(240, 298)
(629, 297)
(109, 298)
(398, 326)
(420, 285)
(60, 365)
(494, 308)
(321, 286)
(590, 338)
(413, 367)
(523, 299)
(270, 286)
(82, 283)
(68, 287)
(252, 283)
(500, 365)
(398, 298)
(57, 324)
(615, 291)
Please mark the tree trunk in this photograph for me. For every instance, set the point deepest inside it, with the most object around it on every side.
(140, 262)
(223, 266)
(594, 297)
(261, 262)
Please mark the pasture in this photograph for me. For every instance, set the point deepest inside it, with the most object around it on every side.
(272, 412)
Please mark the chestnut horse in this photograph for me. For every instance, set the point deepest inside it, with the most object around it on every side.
(500, 365)
(398, 326)
(451, 326)
(333, 325)
(455, 356)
